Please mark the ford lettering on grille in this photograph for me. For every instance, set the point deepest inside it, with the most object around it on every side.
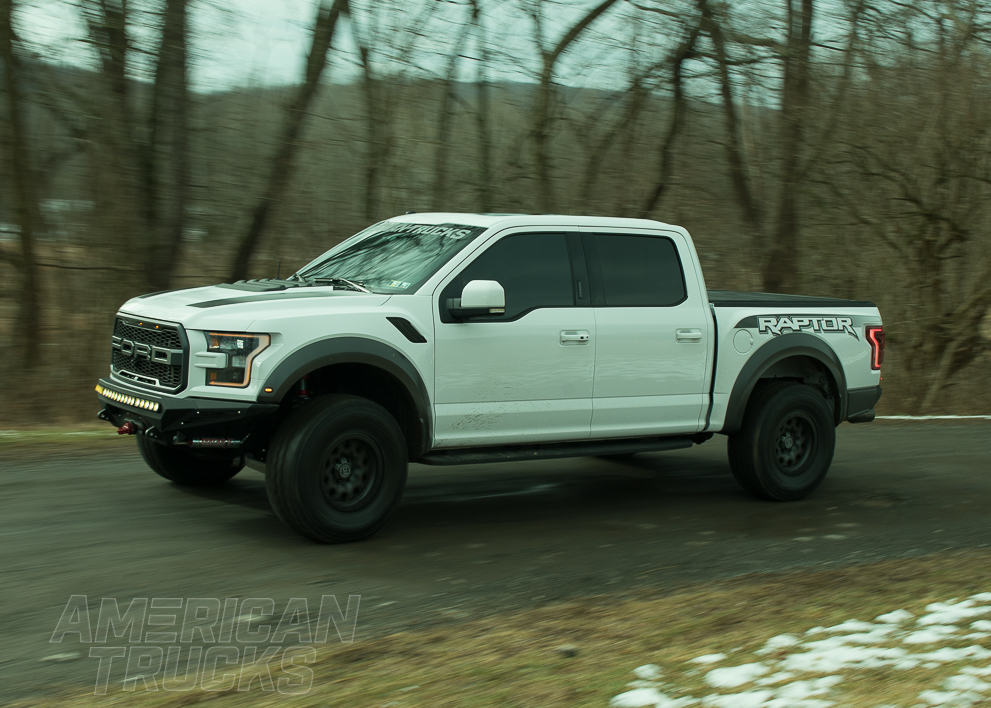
(149, 354)
(140, 350)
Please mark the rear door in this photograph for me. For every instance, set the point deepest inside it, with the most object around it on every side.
(525, 376)
(651, 334)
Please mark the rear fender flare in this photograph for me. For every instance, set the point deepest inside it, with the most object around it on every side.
(782, 347)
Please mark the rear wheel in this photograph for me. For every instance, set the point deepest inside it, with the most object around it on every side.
(190, 468)
(337, 468)
(785, 447)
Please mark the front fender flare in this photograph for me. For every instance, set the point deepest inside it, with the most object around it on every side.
(778, 349)
(352, 350)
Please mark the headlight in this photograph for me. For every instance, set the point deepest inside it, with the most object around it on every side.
(241, 349)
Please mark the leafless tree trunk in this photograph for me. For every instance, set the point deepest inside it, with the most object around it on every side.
(636, 97)
(666, 163)
(543, 113)
(169, 148)
(445, 118)
(780, 269)
(323, 32)
(742, 187)
(484, 108)
(25, 191)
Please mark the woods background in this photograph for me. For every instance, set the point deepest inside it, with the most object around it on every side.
(824, 147)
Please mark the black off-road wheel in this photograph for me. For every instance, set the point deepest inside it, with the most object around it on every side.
(190, 468)
(785, 447)
(337, 468)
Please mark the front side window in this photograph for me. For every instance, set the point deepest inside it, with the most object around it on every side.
(637, 271)
(390, 257)
(533, 269)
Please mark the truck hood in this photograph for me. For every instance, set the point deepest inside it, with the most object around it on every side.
(226, 307)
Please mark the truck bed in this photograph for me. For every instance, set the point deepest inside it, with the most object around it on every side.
(733, 298)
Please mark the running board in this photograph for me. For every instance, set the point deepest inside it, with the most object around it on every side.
(514, 453)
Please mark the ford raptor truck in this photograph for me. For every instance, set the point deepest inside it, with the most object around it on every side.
(447, 339)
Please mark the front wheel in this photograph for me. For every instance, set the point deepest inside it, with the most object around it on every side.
(785, 447)
(337, 468)
(189, 468)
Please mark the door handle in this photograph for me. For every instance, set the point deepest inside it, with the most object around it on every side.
(688, 335)
(572, 336)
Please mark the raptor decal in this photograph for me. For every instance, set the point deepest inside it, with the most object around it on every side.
(791, 323)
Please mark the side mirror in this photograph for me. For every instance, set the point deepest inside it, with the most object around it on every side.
(480, 298)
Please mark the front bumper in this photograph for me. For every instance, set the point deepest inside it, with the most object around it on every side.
(161, 417)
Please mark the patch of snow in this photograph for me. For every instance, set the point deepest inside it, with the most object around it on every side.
(937, 633)
(947, 654)
(931, 642)
(952, 612)
(647, 672)
(640, 697)
(800, 690)
(827, 657)
(774, 678)
(733, 676)
(779, 642)
(951, 699)
(851, 626)
(895, 617)
(708, 658)
(965, 682)
(746, 699)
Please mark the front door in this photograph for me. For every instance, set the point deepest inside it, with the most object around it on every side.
(525, 376)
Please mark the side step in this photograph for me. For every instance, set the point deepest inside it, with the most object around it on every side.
(514, 453)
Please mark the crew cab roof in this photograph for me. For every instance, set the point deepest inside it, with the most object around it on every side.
(507, 220)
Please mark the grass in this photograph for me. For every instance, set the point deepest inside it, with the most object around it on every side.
(77, 440)
(515, 659)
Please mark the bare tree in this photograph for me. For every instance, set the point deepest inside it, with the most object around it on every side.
(543, 113)
(168, 148)
(26, 196)
(323, 32)
(780, 266)
(736, 160)
(445, 114)
(482, 114)
(665, 166)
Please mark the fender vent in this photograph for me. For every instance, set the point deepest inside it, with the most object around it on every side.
(409, 331)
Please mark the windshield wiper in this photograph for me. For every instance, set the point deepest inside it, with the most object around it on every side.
(336, 280)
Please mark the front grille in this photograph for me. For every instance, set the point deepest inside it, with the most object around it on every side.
(150, 354)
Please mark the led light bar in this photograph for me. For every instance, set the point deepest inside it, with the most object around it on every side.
(133, 401)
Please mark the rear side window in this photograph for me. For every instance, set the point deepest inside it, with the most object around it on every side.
(637, 271)
(533, 269)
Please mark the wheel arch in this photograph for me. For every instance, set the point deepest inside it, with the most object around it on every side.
(798, 356)
(349, 354)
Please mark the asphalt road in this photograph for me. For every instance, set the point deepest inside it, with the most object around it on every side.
(466, 541)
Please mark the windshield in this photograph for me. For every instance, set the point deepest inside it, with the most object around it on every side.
(390, 257)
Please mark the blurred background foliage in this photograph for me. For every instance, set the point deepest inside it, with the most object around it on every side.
(825, 147)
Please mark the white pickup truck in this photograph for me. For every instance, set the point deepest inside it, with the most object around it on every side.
(449, 339)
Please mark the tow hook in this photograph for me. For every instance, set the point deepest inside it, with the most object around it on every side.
(129, 428)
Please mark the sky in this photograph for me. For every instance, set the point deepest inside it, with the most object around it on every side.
(264, 42)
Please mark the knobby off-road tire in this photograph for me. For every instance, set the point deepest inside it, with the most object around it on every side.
(785, 446)
(337, 468)
(189, 468)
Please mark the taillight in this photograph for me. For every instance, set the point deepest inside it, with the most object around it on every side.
(875, 335)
